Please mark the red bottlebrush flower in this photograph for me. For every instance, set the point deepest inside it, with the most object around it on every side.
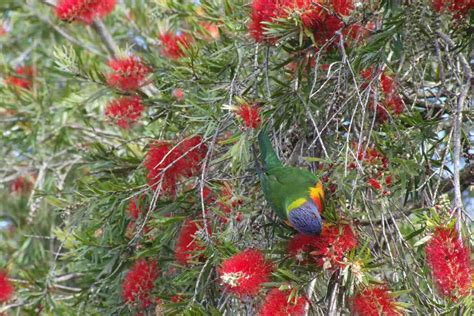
(244, 273)
(176, 298)
(83, 10)
(367, 75)
(387, 83)
(300, 245)
(3, 30)
(374, 184)
(128, 73)
(162, 167)
(314, 15)
(449, 261)
(208, 195)
(139, 282)
(327, 29)
(125, 111)
(332, 245)
(388, 180)
(239, 217)
(194, 151)
(226, 199)
(6, 288)
(343, 7)
(167, 164)
(395, 104)
(211, 31)
(357, 32)
(375, 301)
(134, 210)
(278, 303)
(21, 185)
(172, 45)
(459, 8)
(187, 243)
(250, 114)
(392, 102)
(373, 158)
(310, 11)
(23, 77)
(262, 11)
(178, 94)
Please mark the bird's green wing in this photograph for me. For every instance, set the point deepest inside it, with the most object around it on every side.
(284, 185)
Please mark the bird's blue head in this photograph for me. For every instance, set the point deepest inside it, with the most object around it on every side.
(305, 218)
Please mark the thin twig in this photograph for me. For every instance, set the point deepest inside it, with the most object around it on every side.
(106, 37)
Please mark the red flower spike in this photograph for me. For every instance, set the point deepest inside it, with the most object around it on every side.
(211, 31)
(314, 15)
(459, 8)
(134, 209)
(162, 167)
(371, 157)
(187, 243)
(327, 30)
(343, 7)
(226, 199)
(176, 298)
(374, 301)
(139, 282)
(172, 45)
(23, 78)
(250, 114)
(387, 83)
(3, 30)
(128, 74)
(239, 216)
(167, 164)
(244, 273)
(300, 245)
(262, 11)
(6, 288)
(208, 195)
(178, 94)
(332, 245)
(84, 10)
(21, 185)
(449, 262)
(392, 103)
(395, 104)
(125, 111)
(278, 303)
(374, 184)
(357, 32)
(194, 151)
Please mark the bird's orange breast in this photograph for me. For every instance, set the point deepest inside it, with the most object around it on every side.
(317, 195)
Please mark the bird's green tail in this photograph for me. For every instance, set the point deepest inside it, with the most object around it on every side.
(268, 155)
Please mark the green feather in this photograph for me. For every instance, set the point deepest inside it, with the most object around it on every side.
(282, 185)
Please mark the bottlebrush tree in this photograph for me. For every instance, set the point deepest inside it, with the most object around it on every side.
(128, 175)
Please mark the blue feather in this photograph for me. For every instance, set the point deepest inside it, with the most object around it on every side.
(306, 219)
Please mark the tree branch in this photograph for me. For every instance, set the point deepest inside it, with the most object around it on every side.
(106, 37)
(97, 25)
(466, 178)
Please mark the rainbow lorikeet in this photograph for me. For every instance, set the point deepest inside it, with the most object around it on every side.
(295, 194)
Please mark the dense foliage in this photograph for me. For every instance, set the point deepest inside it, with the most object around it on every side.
(128, 174)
